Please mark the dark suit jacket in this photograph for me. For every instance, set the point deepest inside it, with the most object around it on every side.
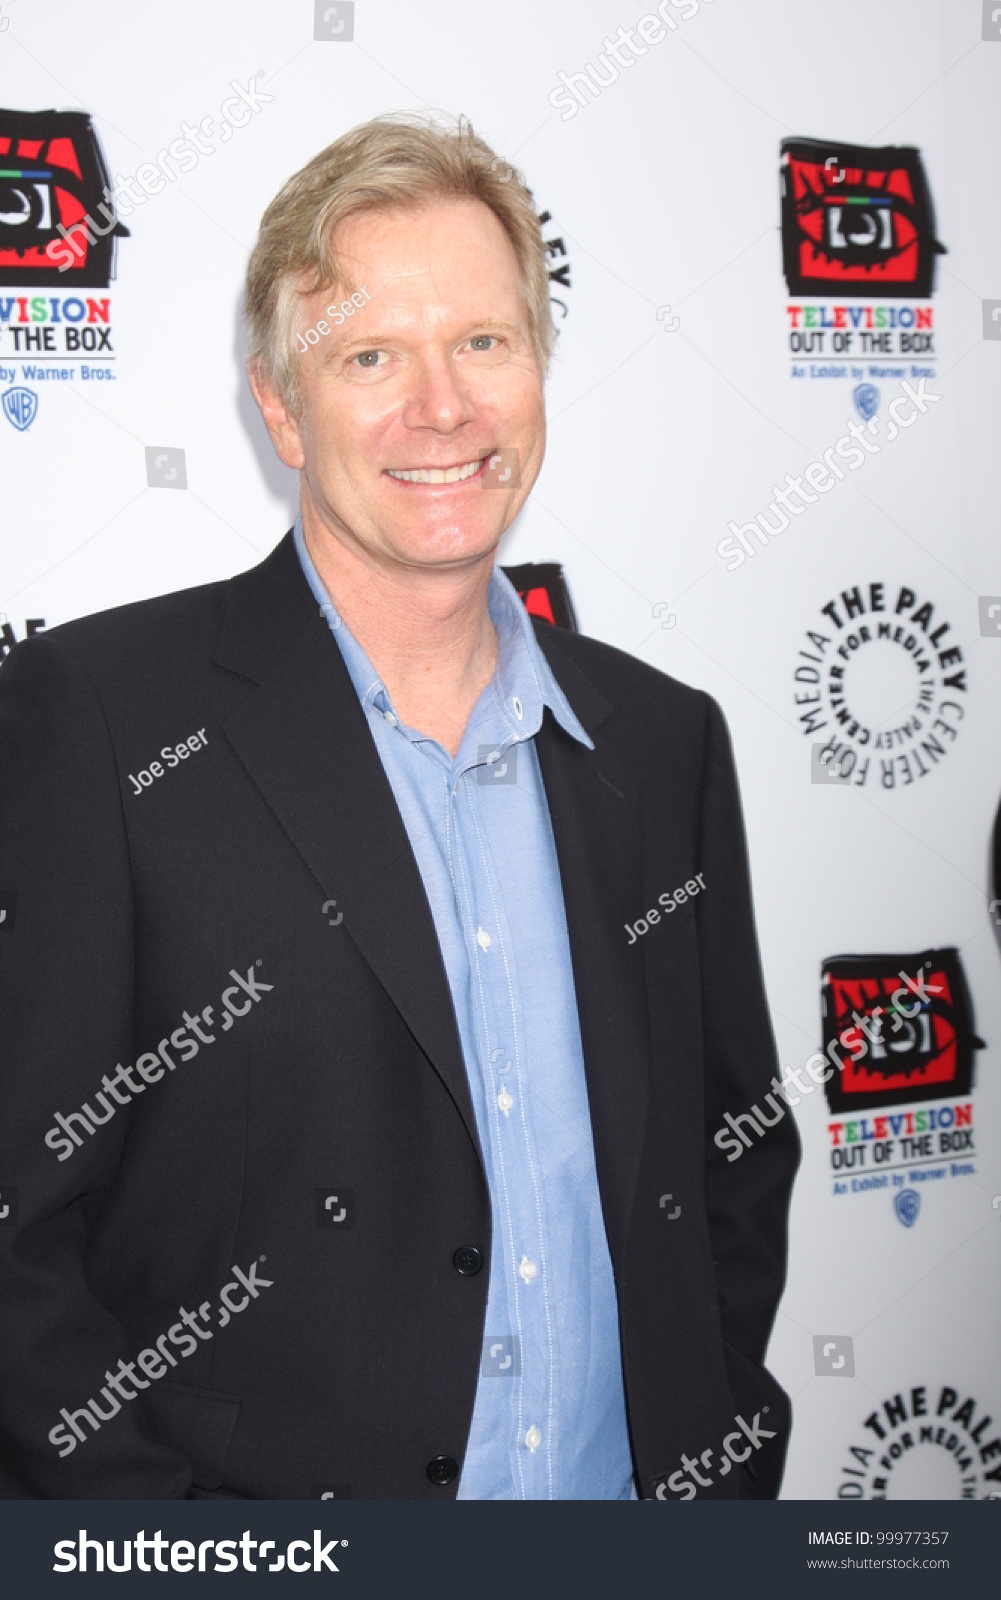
(357, 1366)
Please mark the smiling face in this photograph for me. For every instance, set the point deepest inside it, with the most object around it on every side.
(405, 401)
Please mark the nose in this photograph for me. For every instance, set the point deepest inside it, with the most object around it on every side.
(437, 398)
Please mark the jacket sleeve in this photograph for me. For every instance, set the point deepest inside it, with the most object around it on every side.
(747, 1194)
(66, 978)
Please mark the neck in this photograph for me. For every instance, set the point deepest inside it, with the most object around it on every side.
(427, 632)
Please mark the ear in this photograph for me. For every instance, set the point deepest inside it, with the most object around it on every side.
(278, 419)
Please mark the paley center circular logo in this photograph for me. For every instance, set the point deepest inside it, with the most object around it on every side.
(925, 1443)
(880, 687)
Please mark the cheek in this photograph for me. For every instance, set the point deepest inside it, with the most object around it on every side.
(515, 401)
(531, 399)
(345, 432)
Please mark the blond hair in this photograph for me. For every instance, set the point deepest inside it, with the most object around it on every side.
(395, 162)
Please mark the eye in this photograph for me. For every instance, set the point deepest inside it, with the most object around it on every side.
(482, 341)
(368, 359)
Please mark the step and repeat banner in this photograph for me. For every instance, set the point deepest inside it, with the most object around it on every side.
(774, 235)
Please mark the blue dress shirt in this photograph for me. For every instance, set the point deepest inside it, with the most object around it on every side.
(549, 1420)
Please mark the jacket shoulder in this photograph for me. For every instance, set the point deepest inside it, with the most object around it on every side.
(163, 636)
(168, 624)
(626, 683)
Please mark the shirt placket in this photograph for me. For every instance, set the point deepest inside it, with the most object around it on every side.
(520, 1280)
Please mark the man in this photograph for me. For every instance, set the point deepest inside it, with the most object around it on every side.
(436, 1211)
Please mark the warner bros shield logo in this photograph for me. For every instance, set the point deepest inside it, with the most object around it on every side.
(20, 407)
(907, 1204)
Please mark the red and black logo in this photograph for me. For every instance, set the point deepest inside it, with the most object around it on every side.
(543, 590)
(856, 221)
(901, 1025)
(53, 184)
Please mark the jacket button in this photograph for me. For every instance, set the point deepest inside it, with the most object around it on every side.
(467, 1260)
(443, 1470)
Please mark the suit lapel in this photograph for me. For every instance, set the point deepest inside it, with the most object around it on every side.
(595, 815)
(303, 738)
(297, 727)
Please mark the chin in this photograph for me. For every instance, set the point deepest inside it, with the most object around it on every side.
(435, 543)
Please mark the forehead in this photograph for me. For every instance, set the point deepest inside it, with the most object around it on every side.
(445, 255)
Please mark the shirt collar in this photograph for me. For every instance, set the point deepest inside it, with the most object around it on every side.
(523, 683)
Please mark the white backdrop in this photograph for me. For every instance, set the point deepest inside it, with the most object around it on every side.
(664, 191)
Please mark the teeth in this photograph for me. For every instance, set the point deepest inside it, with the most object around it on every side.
(438, 474)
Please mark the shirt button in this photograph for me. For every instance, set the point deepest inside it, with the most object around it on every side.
(390, 718)
(517, 708)
(533, 1438)
(467, 1260)
(528, 1270)
(505, 1101)
(443, 1470)
(483, 938)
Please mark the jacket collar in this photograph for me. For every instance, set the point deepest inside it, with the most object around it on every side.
(523, 684)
